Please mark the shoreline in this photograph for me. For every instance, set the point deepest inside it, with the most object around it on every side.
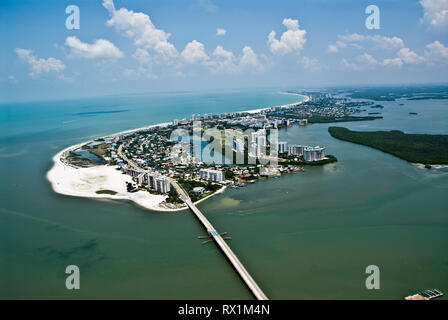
(85, 182)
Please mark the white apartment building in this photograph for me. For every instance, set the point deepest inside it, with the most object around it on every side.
(295, 150)
(282, 147)
(210, 174)
(162, 184)
(313, 153)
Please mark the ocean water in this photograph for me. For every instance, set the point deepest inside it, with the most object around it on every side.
(308, 235)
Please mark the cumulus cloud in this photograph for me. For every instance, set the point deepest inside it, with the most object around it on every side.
(349, 65)
(291, 40)
(194, 52)
(250, 60)
(409, 56)
(221, 32)
(393, 62)
(145, 65)
(39, 65)
(153, 46)
(142, 56)
(435, 12)
(224, 61)
(100, 48)
(376, 42)
(139, 27)
(312, 64)
(436, 52)
(365, 61)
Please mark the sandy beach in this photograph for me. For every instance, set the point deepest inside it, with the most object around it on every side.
(86, 182)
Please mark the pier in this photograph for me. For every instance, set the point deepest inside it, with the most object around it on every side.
(236, 263)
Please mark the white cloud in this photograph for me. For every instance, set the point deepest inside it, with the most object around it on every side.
(349, 65)
(142, 56)
(39, 65)
(224, 61)
(332, 48)
(435, 12)
(409, 56)
(386, 42)
(221, 32)
(312, 64)
(393, 62)
(207, 5)
(366, 59)
(291, 40)
(145, 64)
(436, 52)
(220, 52)
(250, 61)
(376, 42)
(139, 27)
(194, 52)
(100, 48)
(12, 79)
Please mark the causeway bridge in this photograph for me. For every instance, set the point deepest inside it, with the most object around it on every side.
(230, 255)
(236, 263)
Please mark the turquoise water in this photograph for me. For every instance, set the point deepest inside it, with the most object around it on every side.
(302, 236)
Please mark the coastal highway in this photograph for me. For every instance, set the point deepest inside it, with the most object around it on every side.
(236, 263)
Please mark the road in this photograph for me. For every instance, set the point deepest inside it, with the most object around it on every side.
(230, 255)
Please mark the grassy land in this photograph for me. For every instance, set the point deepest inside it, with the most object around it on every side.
(321, 119)
(100, 150)
(420, 148)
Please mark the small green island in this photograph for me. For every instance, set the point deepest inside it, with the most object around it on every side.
(417, 148)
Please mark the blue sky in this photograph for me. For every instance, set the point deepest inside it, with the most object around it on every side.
(134, 46)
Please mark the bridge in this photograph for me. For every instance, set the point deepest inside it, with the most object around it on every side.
(236, 263)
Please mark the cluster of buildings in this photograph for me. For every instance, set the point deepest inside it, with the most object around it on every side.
(153, 151)
(308, 153)
(211, 174)
(154, 181)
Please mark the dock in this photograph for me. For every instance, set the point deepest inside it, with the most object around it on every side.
(230, 255)
(425, 295)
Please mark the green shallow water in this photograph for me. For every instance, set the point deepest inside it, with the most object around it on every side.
(308, 235)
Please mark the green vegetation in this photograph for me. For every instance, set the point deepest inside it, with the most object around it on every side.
(408, 92)
(173, 197)
(100, 150)
(106, 192)
(421, 148)
(322, 119)
(300, 162)
(188, 186)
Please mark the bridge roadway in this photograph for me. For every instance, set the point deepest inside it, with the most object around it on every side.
(236, 263)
